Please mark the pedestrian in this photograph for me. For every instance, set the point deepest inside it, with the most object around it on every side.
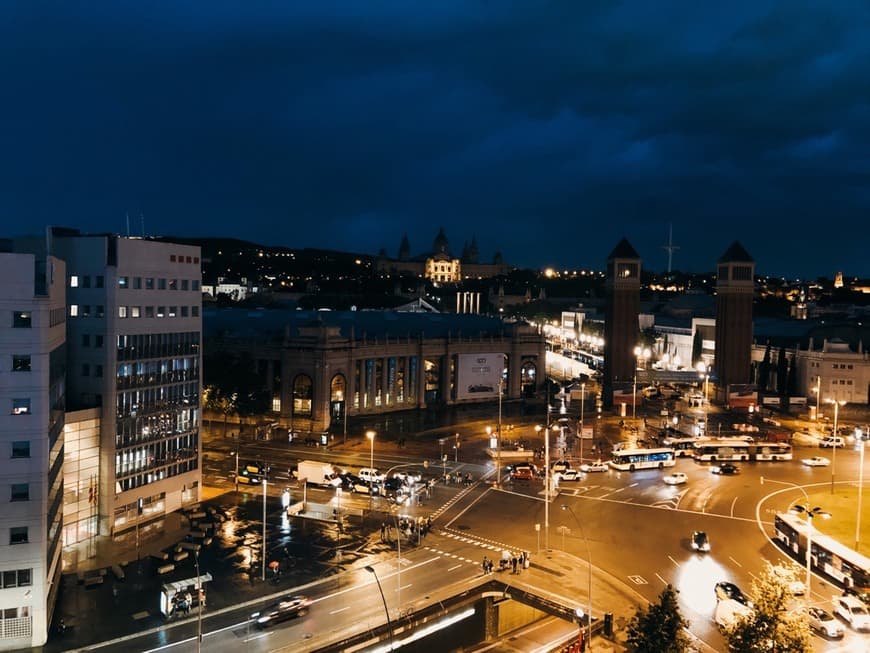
(514, 564)
(490, 566)
(484, 565)
(383, 532)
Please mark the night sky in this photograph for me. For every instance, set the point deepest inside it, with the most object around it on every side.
(548, 130)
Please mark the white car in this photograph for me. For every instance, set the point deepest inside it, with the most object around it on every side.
(569, 475)
(853, 612)
(788, 576)
(597, 466)
(729, 611)
(369, 474)
(677, 478)
(832, 441)
(823, 622)
(816, 461)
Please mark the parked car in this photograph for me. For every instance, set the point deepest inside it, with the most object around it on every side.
(700, 542)
(287, 608)
(597, 466)
(725, 469)
(816, 461)
(677, 478)
(823, 622)
(852, 611)
(729, 591)
(832, 441)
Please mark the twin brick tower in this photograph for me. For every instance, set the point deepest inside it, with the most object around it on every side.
(734, 291)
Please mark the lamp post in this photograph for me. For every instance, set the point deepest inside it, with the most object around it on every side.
(860, 489)
(818, 394)
(589, 568)
(372, 571)
(582, 404)
(498, 436)
(371, 436)
(199, 596)
(837, 405)
(810, 513)
(704, 373)
(798, 509)
(265, 483)
(639, 353)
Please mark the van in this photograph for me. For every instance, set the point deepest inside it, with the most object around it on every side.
(852, 611)
(371, 475)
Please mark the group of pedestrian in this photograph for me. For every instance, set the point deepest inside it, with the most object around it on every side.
(486, 565)
(411, 528)
(516, 562)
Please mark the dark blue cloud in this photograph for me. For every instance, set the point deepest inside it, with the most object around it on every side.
(548, 130)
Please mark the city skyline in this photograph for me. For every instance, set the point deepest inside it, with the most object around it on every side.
(323, 126)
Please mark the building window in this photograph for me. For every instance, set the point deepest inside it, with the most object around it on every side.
(21, 319)
(173, 284)
(184, 311)
(73, 310)
(86, 369)
(123, 282)
(161, 311)
(135, 311)
(20, 363)
(122, 311)
(18, 535)
(21, 449)
(101, 311)
(194, 311)
(20, 492)
(98, 341)
(149, 283)
(149, 311)
(21, 406)
(161, 284)
(86, 310)
(74, 281)
(194, 285)
(137, 283)
(86, 340)
(17, 578)
(185, 284)
(172, 258)
(98, 370)
(99, 283)
(173, 310)
(86, 281)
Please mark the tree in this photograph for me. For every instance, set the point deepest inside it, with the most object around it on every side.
(773, 624)
(233, 386)
(659, 628)
(764, 369)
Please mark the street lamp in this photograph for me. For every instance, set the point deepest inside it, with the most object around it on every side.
(818, 391)
(265, 483)
(589, 568)
(860, 489)
(837, 404)
(498, 435)
(704, 373)
(639, 352)
(199, 596)
(371, 436)
(582, 403)
(372, 571)
(810, 514)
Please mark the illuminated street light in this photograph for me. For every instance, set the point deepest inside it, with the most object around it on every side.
(639, 353)
(704, 373)
(810, 514)
(837, 404)
(371, 436)
(589, 568)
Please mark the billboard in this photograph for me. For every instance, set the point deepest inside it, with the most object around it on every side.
(477, 375)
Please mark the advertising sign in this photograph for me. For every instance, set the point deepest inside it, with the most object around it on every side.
(477, 375)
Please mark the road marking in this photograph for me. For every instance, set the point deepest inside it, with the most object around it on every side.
(676, 564)
(141, 615)
(454, 567)
(638, 580)
(733, 503)
(664, 582)
(735, 562)
(340, 610)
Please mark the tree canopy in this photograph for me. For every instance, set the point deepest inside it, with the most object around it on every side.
(660, 627)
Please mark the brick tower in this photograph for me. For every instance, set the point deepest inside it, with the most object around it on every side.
(620, 317)
(735, 284)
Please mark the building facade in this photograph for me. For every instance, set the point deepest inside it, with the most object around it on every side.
(134, 330)
(32, 399)
(321, 367)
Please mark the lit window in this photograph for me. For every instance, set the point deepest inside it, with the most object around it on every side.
(123, 282)
(20, 363)
(134, 311)
(73, 310)
(173, 310)
(74, 281)
(122, 311)
(21, 320)
(161, 311)
(21, 406)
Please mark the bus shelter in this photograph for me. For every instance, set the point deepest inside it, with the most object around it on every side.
(181, 594)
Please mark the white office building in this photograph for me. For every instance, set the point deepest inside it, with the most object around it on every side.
(32, 395)
(133, 335)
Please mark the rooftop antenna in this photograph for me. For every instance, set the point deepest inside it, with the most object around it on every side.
(142, 221)
(670, 248)
(128, 223)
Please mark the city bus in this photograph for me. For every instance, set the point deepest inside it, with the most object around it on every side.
(682, 445)
(848, 567)
(631, 459)
(772, 451)
(716, 450)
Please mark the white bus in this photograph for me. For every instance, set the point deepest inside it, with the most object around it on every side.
(632, 459)
(682, 445)
(772, 451)
(716, 450)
